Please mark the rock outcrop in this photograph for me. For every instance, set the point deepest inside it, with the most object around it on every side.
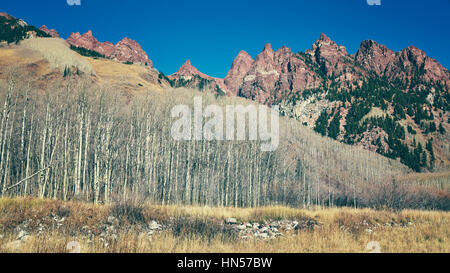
(374, 57)
(87, 41)
(52, 32)
(278, 75)
(411, 63)
(329, 56)
(191, 77)
(240, 67)
(126, 50)
(6, 15)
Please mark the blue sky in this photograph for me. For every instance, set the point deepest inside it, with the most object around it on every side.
(211, 33)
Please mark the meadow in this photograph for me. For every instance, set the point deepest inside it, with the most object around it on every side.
(47, 226)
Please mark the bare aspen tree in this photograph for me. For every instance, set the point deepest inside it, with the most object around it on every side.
(4, 129)
(101, 146)
(86, 148)
(80, 146)
(187, 183)
(22, 132)
(43, 146)
(28, 158)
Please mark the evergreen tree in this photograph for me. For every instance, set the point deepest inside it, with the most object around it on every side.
(334, 128)
(429, 147)
(432, 127)
(322, 123)
(441, 129)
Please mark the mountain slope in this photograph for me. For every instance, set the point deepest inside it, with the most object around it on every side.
(47, 62)
(13, 30)
(332, 91)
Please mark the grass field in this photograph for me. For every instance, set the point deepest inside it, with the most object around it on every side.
(51, 225)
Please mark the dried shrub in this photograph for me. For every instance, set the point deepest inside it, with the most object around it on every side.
(206, 229)
(128, 212)
(403, 195)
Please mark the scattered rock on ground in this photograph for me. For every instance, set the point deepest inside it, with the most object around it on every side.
(154, 225)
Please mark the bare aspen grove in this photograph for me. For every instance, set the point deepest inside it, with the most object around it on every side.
(79, 141)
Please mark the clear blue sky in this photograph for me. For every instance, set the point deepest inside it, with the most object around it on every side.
(211, 33)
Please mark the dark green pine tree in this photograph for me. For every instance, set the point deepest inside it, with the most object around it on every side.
(441, 129)
(423, 159)
(322, 123)
(432, 127)
(335, 124)
(429, 147)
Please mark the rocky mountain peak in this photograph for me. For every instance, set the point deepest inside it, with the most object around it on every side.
(324, 38)
(74, 35)
(126, 50)
(328, 55)
(129, 41)
(370, 46)
(191, 77)
(412, 61)
(413, 54)
(268, 46)
(187, 64)
(283, 54)
(18, 22)
(241, 65)
(266, 56)
(284, 49)
(328, 45)
(373, 56)
(87, 40)
(51, 32)
(187, 69)
(243, 55)
(6, 15)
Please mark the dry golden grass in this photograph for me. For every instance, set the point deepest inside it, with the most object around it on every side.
(13, 54)
(133, 78)
(44, 56)
(341, 229)
(58, 54)
(18, 56)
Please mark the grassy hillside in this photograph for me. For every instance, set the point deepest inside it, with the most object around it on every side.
(49, 63)
(58, 53)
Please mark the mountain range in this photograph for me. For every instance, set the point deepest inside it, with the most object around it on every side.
(393, 103)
